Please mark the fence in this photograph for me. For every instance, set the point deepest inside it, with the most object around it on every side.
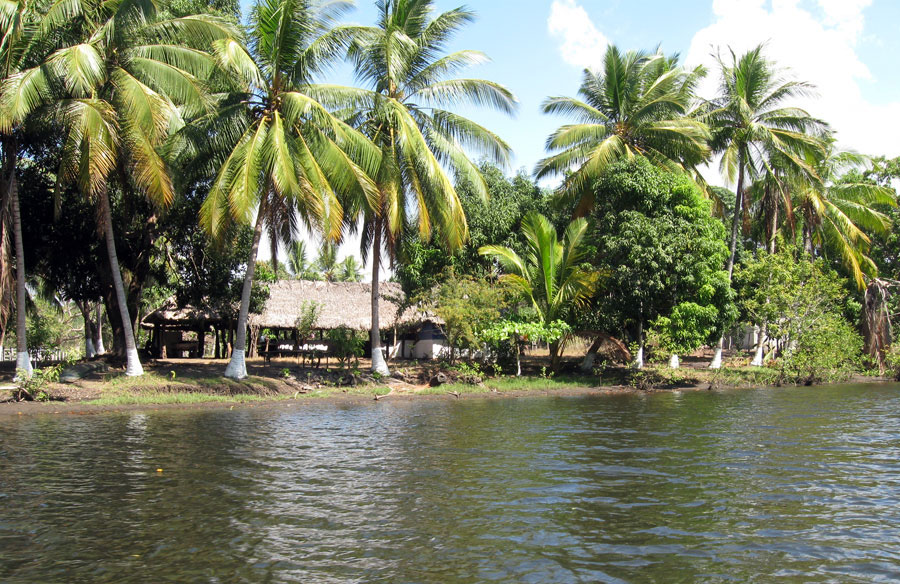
(37, 355)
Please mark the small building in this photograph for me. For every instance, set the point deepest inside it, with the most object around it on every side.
(407, 332)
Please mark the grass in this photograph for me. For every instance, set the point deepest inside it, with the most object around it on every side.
(156, 398)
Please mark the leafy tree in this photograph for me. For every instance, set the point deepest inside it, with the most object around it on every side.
(520, 332)
(802, 302)
(639, 104)
(661, 255)
(551, 277)
(282, 148)
(495, 221)
(404, 112)
(298, 263)
(467, 306)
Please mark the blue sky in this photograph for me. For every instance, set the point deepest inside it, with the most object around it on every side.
(848, 48)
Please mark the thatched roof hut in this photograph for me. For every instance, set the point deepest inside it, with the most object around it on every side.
(187, 317)
(347, 304)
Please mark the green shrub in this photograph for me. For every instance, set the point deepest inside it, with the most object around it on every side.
(828, 350)
(34, 387)
(346, 345)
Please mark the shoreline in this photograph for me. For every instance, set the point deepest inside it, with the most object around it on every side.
(203, 400)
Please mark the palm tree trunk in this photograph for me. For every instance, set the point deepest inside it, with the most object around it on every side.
(736, 219)
(735, 229)
(132, 361)
(23, 361)
(89, 351)
(98, 331)
(237, 366)
(773, 225)
(379, 365)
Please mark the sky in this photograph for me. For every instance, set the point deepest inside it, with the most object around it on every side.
(848, 49)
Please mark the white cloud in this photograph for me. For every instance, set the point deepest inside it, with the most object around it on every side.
(816, 46)
(581, 44)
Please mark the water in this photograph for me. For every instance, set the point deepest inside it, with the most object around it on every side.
(792, 485)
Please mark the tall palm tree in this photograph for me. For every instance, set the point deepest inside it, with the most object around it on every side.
(752, 129)
(20, 46)
(639, 104)
(840, 215)
(283, 147)
(550, 276)
(409, 76)
(120, 90)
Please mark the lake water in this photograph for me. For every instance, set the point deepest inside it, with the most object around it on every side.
(789, 485)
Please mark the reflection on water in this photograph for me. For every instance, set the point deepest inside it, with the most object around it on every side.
(799, 485)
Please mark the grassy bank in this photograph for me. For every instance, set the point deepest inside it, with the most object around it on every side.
(174, 384)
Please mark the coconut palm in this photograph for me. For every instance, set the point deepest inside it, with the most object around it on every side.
(839, 216)
(298, 263)
(639, 104)
(550, 277)
(410, 81)
(753, 130)
(349, 270)
(120, 90)
(326, 262)
(282, 147)
(19, 46)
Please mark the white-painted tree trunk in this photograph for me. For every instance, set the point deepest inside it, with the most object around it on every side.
(379, 365)
(587, 364)
(237, 366)
(638, 362)
(716, 362)
(133, 366)
(759, 354)
(23, 360)
(89, 351)
(674, 363)
(98, 341)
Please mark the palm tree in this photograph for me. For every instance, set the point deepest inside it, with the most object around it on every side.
(550, 277)
(120, 91)
(752, 130)
(21, 45)
(327, 263)
(839, 215)
(282, 146)
(639, 104)
(298, 263)
(349, 270)
(402, 60)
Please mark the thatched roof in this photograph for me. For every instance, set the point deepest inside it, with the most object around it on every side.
(346, 304)
(170, 314)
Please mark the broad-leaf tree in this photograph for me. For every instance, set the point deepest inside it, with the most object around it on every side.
(406, 112)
